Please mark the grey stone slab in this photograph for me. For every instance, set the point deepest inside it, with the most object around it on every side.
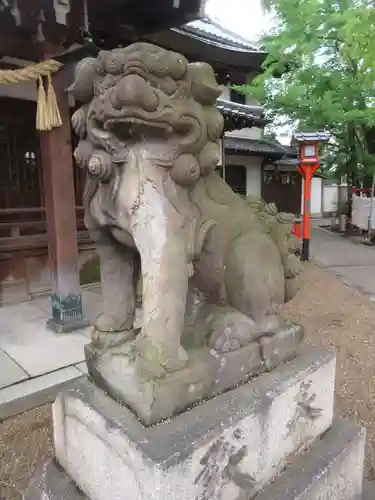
(280, 347)
(14, 313)
(107, 451)
(52, 483)
(91, 304)
(38, 350)
(10, 371)
(331, 470)
(207, 373)
(35, 392)
(368, 492)
(82, 367)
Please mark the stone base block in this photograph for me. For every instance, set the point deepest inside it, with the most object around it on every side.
(53, 483)
(231, 445)
(330, 470)
(207, 373)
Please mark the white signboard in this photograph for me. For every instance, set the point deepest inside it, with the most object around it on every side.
(361, 210)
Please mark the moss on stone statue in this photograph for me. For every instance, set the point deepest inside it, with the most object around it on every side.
(90, 271)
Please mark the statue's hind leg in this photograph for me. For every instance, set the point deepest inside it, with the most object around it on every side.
(115, 324)
(255, 280)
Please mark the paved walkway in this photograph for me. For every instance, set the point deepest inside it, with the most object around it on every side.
(36, 364)
(353, 263)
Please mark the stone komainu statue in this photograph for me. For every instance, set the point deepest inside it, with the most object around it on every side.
(213, 266)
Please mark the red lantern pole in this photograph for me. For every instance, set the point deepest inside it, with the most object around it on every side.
(307, 171)
(308, 143)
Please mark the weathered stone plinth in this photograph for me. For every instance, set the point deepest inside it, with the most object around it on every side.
(231, 445)
(207, 373)
(330, 470)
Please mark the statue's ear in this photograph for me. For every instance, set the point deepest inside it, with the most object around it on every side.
(204, 87)
(82, 87)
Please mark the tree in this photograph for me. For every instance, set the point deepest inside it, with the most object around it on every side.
(320, 74)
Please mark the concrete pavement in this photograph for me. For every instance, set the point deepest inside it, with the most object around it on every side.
(352, 263)
(35, 363)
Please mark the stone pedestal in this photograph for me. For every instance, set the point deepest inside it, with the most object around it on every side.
(248, 441)
(207, 373)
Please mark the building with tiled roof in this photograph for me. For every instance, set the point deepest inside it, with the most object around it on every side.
(211, 29)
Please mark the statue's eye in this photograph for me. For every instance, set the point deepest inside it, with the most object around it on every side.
(158, 64)
(177, 65)
(168, 85)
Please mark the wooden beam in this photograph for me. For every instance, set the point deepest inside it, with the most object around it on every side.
(58, 187)
(16, 45)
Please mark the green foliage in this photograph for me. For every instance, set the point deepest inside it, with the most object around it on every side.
(342, 208)
(90, 272)
(328, 47)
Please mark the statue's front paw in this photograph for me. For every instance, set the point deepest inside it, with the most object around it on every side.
(156, 359)
(110, 324)
(105, 340)
(231, 331)
(224, 342)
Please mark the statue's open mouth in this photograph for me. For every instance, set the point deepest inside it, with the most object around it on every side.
(132, 126)
(134, 107)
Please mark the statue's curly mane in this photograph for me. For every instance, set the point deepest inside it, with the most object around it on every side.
(145, 92)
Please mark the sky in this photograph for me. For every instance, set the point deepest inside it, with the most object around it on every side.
(244, 17)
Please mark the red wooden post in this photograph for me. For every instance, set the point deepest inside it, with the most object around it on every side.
(308, 173)
(58, 187)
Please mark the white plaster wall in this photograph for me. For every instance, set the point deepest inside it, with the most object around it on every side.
(225, 94)
(253, 172)
(316, 197)
(330, 198)
(247, 133)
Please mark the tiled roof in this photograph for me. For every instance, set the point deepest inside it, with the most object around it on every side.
(214, 32)
(238, 108)
(238, 116)
(260, 147)
(291, 162)
(310, 136)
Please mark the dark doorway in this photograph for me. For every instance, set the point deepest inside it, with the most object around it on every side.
(20, 169)
(235, 176)
(284, 189)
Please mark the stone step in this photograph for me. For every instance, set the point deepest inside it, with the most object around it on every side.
(332, 469)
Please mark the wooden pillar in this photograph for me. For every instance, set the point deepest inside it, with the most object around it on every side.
(58, 187)
(307, 171)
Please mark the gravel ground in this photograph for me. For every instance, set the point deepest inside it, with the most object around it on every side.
(337, 316)
(25, 443)
(334, 315)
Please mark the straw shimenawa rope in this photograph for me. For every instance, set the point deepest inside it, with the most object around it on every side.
(48, 114)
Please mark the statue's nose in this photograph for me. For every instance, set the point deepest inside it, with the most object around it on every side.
(133, 90)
